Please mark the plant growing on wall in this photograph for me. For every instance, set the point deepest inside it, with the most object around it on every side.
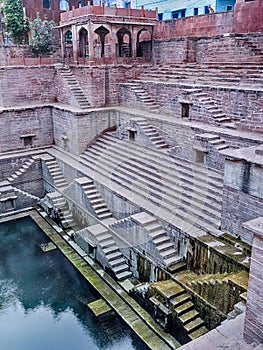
(42, 42)
(16, 24)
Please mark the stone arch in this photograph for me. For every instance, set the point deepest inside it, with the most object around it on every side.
(83, 42)
(102, 33)
(68, 37)
(124, 42)
(144, 43)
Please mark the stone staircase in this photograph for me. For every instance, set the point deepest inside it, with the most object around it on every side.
(26, 194)
(56, 173)
(213, 140)
(187, 194)
(170, 294)
(215, 74)
(143, 96)
(157, 235)
(152, 134)
(209, 104)
(62, 209)
(96, 200)
(74, 86)
(112, 257)
(22, 170)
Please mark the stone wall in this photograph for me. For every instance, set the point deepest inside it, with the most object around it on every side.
(26, 85)
(253, 320)
(242, 194)
(73, 131)
(17, 126)
(208, 49)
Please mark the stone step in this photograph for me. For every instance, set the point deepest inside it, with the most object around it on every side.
(194, 325)
(116, 262)
(105, 215)
(161, 158)
(120, 268)
(188, 317)
(141, 179)
(146, 167)
(123, 275)
(113, 255)
(198, 332)
(184, 307)
(183, 215)
(180, 299)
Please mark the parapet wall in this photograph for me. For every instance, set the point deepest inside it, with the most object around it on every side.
(247, 17)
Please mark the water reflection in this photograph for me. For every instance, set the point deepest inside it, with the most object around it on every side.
(43, 299)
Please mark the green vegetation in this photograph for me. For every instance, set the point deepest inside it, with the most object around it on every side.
(42, 41)
(16, 24)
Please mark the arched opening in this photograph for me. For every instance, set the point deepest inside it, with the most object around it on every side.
(46, 4)
(68, 44)
(63, 5)
(124, 42)
(101, 32)
(83, 43)
(81, 3)
(68, 37)
(144, 44)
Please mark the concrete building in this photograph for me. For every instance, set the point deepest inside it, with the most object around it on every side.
(143, 142)
(169, 9)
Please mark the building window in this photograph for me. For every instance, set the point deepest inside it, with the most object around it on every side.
(196, 11)
(229, 8)
(27, 140)
(178, 13)
(63, 5)
(160, 16)
(46, 4)
(206, 10)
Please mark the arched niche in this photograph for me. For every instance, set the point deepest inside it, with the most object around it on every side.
(101, 38)
(124, 42)
(144, 43)
(83, 43)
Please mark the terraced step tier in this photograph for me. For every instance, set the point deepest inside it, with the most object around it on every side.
(177, 178)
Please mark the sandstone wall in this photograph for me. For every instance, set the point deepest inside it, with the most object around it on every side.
(16, 124)
(26, 85)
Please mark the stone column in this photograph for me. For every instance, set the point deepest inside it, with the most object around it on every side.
(113, 43)
(91, 40)
(75, 43)
(253, 330)
(134, 42)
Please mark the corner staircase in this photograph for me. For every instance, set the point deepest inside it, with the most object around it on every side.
(56, 173)
(180, 305)
(164, 248)
(114, 258)
(74, 86)
(152, 134)
(143, 96)
(60, 205)
(96, 200)
(22, 170)
(211, 106)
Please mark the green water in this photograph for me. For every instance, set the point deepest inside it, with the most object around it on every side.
(43, 299)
